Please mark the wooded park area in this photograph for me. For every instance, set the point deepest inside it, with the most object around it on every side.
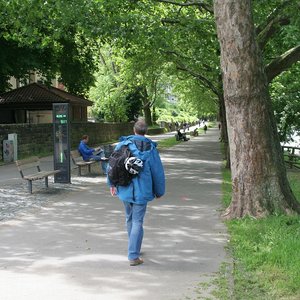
(238, 59)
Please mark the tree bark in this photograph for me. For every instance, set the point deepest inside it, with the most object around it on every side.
(147, 114)
(260, 185)
(147, 107)
(224, 134)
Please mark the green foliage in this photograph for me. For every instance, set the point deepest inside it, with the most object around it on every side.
(153, 45)
(17, 61)
(285, 92)
(226, 187)
(76, 64)
(284, 89)
(115, 97)
(183, 114)
(200, 100)
(154, 50)
(134, 104)
(285, 36)
(47, 37)
(110, 102)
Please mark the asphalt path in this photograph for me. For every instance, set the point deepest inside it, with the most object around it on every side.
(69, 242)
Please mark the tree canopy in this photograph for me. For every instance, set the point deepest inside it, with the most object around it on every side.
(48, 37)
(151, 37)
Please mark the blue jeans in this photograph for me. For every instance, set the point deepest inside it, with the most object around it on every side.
(134, 220)
(98, 158)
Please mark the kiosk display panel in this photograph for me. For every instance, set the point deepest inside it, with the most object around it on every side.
(61, 136)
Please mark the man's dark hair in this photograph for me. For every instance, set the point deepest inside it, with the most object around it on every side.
(140, 127)
(84, 137)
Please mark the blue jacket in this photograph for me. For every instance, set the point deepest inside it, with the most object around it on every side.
(85, 151)
(150, 182)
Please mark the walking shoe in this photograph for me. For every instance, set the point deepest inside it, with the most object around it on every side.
(136, 262)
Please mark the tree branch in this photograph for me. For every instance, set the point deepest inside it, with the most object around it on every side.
(175, 53)
(180, 66)
(188, 3)
(207, 83)
(271, 29)
(273, 15)
(272, 24)
(282, 63)
(102, 59)
(169, 21)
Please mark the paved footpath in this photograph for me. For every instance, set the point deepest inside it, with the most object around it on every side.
(69, 242)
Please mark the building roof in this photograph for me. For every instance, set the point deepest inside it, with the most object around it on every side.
(39, 93)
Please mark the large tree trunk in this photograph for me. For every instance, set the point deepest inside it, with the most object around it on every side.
(260, 185)
(224, 133)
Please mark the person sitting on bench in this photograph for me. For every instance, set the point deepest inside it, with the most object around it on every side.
(182, 136)
(195, 132)
(88, 153)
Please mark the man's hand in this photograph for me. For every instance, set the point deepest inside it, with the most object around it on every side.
(113, 190)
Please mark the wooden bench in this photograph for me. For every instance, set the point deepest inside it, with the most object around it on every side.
(79, 162)
(25, 165)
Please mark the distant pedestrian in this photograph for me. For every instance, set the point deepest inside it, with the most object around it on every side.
(188, 126)
(148, 184)
(205, 128)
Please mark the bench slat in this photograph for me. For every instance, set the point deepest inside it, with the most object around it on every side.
(40, 175)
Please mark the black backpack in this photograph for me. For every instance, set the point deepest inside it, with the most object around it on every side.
(117, 173)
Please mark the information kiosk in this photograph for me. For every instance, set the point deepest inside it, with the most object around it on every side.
(61, 136)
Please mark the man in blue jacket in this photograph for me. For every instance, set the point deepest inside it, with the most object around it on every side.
(88, 153)
(147, 185)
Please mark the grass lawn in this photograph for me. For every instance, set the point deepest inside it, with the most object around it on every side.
(166, 143)
(266, 253)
